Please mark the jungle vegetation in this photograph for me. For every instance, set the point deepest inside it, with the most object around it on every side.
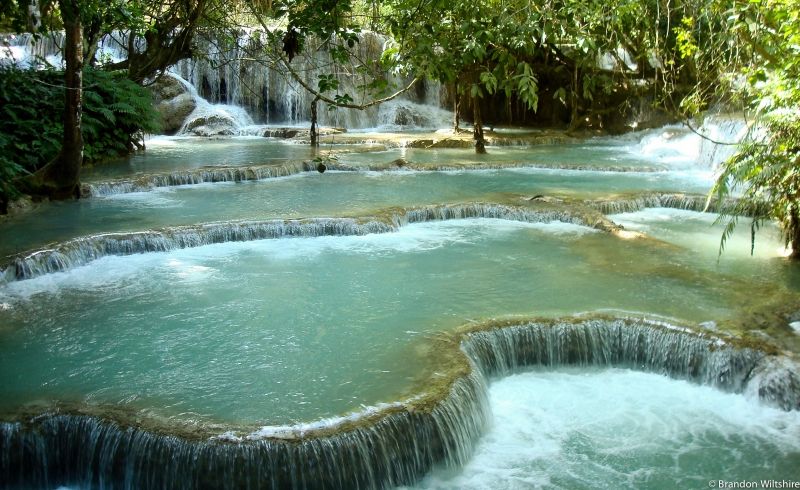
(579, 60)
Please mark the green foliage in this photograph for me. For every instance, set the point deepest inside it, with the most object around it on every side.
(116, 113)
(30, 125)
(766, 168)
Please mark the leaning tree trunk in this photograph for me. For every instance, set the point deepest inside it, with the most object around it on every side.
(59, 179)
(477, 131)
(314, 134)
(456, 107)
(794, 234)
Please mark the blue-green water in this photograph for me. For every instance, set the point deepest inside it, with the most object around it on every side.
(297, 329)
(314, 194)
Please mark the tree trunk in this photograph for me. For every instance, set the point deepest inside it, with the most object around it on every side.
(456, 107)
(794, 235)
(60, 178)
(477, 122)
(574, 121)
(313, 133)
(72, 150)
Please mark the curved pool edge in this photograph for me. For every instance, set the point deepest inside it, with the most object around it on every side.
(396, 444)
(58, 257)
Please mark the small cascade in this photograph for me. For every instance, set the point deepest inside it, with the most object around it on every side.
(197, 176)
(642, 345)
(646, 346)
(493, 211)
(26, 50)
(401, 114)
(686, 202)
(722, 135)
(674, 144)
(390, 446)
(81, 251)
(394, 448)
(708, 146)
(209, 119)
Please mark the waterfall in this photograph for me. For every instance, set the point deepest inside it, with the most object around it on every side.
(82, 250)
(673, 352)
(395, 445)
(236, 81)
(271, 96)
(494, 211)
(209, 119)
(686, 202)
(26, 50)
(148, 182)
(397, 448)
(194, 176)
(713, 142)
(401, 114)
(723, 133)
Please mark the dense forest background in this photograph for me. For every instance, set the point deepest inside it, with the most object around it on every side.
(570, 63)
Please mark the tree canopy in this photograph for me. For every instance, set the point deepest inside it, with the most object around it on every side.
(582, 59)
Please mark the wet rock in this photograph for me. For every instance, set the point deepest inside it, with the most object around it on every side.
(543, 198)
(21, 205)
(421, 143)
(282, 133)
(452, 143)
(173, 101)
(404, 116)
(214, 124)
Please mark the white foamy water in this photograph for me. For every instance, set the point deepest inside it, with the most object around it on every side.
(702, 232)
(614, 428)
(189, 264)
(674, 145)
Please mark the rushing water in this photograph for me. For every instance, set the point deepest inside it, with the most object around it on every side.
(277, 331)
(313, 194)
(578, 428)
(339, 327)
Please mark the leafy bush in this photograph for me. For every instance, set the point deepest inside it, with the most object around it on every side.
(116, 114)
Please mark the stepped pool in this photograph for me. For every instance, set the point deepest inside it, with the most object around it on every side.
(441, 325)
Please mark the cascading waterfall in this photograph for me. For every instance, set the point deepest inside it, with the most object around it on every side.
(272, 96)
(255, 90)
(209, 119)
(668, 351)
(211, 174)
(686, 202)
(723, 134)
(393, 448)
(80, 251)
(199, 176)
(394, 445)
(709, 145)
(27, 50)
